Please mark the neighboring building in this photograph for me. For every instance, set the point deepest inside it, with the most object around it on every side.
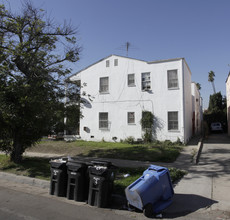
(228, 101)
(121, 88)
(197, 112)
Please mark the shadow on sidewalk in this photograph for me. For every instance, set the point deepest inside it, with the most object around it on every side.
(184, 204)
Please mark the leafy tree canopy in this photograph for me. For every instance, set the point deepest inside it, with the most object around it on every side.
(34, 53)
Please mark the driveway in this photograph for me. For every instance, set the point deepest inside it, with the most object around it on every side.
(205, 191)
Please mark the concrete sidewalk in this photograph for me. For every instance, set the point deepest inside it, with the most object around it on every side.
(206, 188)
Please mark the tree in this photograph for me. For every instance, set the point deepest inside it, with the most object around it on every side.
(198, 86)
(147, 121)
(211, 76)
(217, 110)
(32, 69)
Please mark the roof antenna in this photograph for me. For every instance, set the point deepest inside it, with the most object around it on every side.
(127, 44)
(126, 47)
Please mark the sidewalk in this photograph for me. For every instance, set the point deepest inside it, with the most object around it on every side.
(206, 188)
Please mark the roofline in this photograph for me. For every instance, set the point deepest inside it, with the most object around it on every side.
(100, 61)
(150, 62)
(166, 60)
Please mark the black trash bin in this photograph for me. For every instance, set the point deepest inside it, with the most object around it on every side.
(101, 183)
(78, 180)
(58, 180)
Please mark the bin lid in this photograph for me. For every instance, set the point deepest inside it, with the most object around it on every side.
(58, 163)
(103, 163)
(76, 165)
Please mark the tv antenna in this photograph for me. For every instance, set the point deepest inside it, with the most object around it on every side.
(126, 47)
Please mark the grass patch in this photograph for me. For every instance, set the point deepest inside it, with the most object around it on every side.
(40, 168)
(31, 167)
(156, 152)
(121, 182)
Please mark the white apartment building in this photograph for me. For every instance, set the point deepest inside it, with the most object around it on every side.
(117, 89)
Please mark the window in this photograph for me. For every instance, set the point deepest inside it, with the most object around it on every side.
(146, 83)
(131, 117)
(104, 84)
(115, 62)
(103, 120)
(172, 79)
(172, 120)
(107, 63)
(131, 79)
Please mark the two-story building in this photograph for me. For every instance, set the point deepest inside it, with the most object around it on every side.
(121, 88)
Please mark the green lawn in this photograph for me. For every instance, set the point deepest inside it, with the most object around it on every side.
(40, 168)
(156, 152)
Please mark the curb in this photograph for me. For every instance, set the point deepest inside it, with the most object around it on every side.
(198, 153)
(44, 184)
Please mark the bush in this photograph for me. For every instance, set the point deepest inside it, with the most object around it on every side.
(130, 140)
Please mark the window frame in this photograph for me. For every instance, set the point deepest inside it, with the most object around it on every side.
(173, 124)
(132, 84)
(146, 81)
(107, 63)
(104, 120)
(130, 118)
(115, 62)
(103, 91)
(172, 85)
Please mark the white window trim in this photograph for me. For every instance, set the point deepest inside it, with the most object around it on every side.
(103, 92)
(173, 130)
(130, 123)
(132, 84)
(107, 121)
(146, 81)
(176, 87)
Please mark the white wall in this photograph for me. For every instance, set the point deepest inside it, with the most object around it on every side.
(122, 99)
(196, 108)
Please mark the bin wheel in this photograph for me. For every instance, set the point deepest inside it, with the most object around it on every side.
(148, 210)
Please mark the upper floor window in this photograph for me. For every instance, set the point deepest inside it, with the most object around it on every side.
(172, 121)
(131, 79)
(172, 79)
(131, 117)
(145, 81)
(107, 63)
(115, 62)
(103, 120)
(104, 85)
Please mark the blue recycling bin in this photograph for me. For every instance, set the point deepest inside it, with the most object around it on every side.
(152, 192)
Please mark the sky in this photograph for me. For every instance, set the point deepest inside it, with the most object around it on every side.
(197, 30)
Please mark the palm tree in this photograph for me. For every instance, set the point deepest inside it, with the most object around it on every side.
(211, 76)
(198, 86)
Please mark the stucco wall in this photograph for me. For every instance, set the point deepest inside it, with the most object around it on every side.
(122, 99)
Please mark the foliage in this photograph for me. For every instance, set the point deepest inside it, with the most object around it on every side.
(147, 125)
(34, 52)
(134, 173)
(130, 140)
(217, 110)
(211, 76)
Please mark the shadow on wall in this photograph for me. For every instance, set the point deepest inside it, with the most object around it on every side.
(158, 125)
(184, 204)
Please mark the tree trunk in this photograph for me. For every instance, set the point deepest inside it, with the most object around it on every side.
(16, 154)
(213, 86)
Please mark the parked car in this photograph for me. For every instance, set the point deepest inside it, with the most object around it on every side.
(216, 126)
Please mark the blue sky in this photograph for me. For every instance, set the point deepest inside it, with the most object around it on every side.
(198, 30)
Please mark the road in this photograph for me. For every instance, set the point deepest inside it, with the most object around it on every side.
(31, 203)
